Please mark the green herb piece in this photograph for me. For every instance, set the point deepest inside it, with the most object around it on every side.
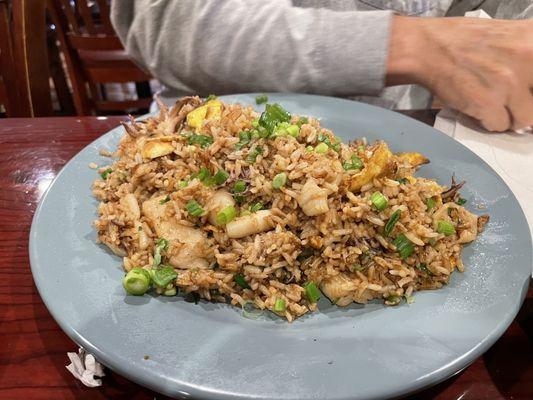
(394, 299)
(239, 187)
(430, 203)
(357, 267)
(239, 280)
(194, 209)
(379, 201)
(333, 145)
(389, 226)
(460, 201)
(293, 130)
(226, 215)
(160, 245)
(244, 139)
(272, 116)
(280, 306)
(312, 292)
(136, 281)
(210, 97)
(201, 140)
(309, 148)
(163, 276)
(170, 292)
(220, 177)
(261, 99)
(256, 207)
(403, 181)
(424, 268)
(403, 246)
(279, 180)
(445, 227)
(252, 155)
(165, 200)
(302, 121)
(321, 148)
(106, 173)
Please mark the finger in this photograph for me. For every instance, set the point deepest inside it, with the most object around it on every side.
(521, 108)
(497, 119)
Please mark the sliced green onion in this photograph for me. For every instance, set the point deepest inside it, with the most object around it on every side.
(327, 141)
(202, 140)
(460, 201)
(321, 148)
(272, 116)
(261, 99)
(357, 267)
(251, 311)
(203, 174)
(239, 199)
(280, 306)
(309, 148)
(245, 213)
(183, 184)
(379, 201)
(256, 207)
(445, 227)
(410, 299)
(163, 276)
(403, 181)
(430, 203)
(210, 97)
(106, 173)
(239, 187)
(239, 280)
(170, 292)
(252, 155)
(279, 180)
(194, 209)
(302, 121)
(312, 292)
(394, 299)
(160, 245)
(165, 200)
(244, 139)
(293, 130)
(255, 124)
(226, 215)
(424, 268)
(221, 176)
(404, 246)
(391, 222)
(136, 281)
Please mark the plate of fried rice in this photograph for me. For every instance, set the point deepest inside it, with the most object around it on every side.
(280, 246)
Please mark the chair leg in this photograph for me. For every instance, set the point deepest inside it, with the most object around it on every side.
(143, 90)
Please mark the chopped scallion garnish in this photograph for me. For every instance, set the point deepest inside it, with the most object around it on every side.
(220, 177)
(404, 246)
(165, 200)
(183, 184)
(261, 99)
(389, 226)
(239, 187)
(163, 276)
(321, 148)
(137, 281)
(430, 203)
(251, 311)
(460, 201)
(279, 180)
(239, 280)
(106, 173)
(252, 155)
(256, 207)
(202, 140)
(227, 214)
(312, 292)
(194, 209)
(379, 201)
(210, 97)
(280, 306)
(424, 268)
(445, 227)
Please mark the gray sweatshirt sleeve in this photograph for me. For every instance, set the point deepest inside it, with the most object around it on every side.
(223, 46)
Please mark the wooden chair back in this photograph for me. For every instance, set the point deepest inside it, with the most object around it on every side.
(24, 73)
(94, 56)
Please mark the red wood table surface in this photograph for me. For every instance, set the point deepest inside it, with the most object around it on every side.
(33, 347)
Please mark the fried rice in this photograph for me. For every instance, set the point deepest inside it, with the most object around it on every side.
(262, 210)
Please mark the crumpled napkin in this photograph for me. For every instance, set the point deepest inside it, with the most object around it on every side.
(85, 368)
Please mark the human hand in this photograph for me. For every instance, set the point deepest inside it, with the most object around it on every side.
(483, 68)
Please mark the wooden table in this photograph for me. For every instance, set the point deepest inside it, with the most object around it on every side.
(33, 347)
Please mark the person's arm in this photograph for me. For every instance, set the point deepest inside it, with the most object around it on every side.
(214, 46)
(483, 68)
